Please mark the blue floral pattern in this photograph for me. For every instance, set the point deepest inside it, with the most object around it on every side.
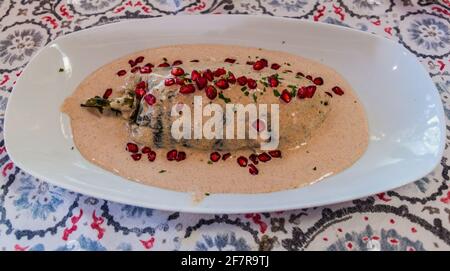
(82, 243)
(18, 45)
(133, 211)
(368, 240)
(427, 35)
(430, 33)
(367, 4)
(222, 242)
(39, 197)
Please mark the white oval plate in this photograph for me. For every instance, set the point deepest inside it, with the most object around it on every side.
(404, 109)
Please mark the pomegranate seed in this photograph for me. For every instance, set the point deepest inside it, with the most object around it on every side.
(309, 77)
(194, 75)
(222, 84)
(139, 59)
(273, 81)
(141, 84)
(242, 161)
(181, 156)
(177, 71)
(201, 82)
(107, 93)
(259, 125)
(337, 90)
(285, 96)
(169, 82)
(226, 156)
(177, 62)
(179, 81)
(136, 156)
(187, 89)
(231, 78)
(258, 65)
(146, 149)
(219, 72)
(264, 157)
(310, 90)
(146, 69)
(209, 75)
(172, 155)
(131, 147)
(251, 83)
(252, 169)
(254, 158)
(121, 72)
(151, 156)
(132, 63)
(301, 93)
(242, 80)
(214, 156)
(328, 93)
(318, 81)
(140, 92)
(275, 153)
(275, 66)
(164, 64)
(150, 99)
(211, 92)
(136, 69)
(230, 60)
(264, 62)
(250, 62)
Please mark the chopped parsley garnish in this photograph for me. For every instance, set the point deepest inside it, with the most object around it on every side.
(225, 99)
(210, 162)
(243, 88)
(255, 98)
(264, 83)
(162, 171)
(246, 93)
(276, 93)
(61, 70)
(293, 90)
(207, 194)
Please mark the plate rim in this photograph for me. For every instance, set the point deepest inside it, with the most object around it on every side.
(198, 209)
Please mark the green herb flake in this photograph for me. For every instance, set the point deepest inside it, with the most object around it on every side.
(255, 98)
(207, 194)
(276, 93)
(243, 89)
(97, 102)
(61, 70)
(210, 162)
(165, 59)
(225, 99)
(264, 83)
(246, 93)
(162, 171)
(293, 92)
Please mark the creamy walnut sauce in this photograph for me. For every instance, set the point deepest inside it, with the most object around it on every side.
(321, 132)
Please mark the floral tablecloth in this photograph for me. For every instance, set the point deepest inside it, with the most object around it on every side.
(35, 215)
